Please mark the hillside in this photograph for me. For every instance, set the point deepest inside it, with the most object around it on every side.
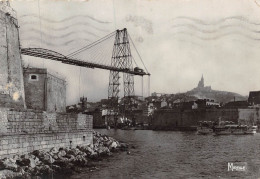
(219, 96)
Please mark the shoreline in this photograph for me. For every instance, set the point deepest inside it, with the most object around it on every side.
(61, 162)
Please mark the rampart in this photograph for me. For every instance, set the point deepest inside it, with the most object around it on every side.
(26, 130)
(11, 79)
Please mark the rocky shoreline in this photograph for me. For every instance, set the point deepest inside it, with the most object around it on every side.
(62, 161)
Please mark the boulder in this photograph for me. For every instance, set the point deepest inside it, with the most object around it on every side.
(113, 145)
(32, 163)
(54, 150)
(4, 174)
(46, 169)
(55, 156)
(48, 159)
(73, 151)
(80, 161)
(61, 153)
(103, 151)
(108, 143)
(70, 157)
(8, 163)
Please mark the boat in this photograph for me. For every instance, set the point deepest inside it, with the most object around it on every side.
(205, 127)
(234, 129)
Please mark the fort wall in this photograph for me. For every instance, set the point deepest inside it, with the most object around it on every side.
(27, 130)
(11, 79)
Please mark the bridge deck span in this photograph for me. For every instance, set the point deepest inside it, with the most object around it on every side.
(52, 55)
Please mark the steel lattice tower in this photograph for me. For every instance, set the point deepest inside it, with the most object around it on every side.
(121, 58)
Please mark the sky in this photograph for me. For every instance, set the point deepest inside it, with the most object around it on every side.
(178, 40)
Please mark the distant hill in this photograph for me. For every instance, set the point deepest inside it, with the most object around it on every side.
(219, 96)
(203, 92)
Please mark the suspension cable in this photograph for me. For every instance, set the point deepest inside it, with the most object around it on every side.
(138, 53)
(79, 81)
(149, 85)
(91, 45)
(142, 86)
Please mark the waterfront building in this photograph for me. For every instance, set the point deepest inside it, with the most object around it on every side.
(254, 98)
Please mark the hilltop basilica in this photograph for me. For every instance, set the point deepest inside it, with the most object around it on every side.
(201, 86)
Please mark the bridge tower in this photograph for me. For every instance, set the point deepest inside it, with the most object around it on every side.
(121, 58)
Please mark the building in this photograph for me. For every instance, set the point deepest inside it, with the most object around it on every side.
(26, 130)
(249, 116)
(44, 91)
(178, 119)
(236, 104)
(254, 98)
(11, 81)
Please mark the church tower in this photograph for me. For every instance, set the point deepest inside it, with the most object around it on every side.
(201, 82)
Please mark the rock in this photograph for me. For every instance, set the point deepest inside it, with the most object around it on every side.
(73, 152)
(45, 169)
(64, 165)
(25, 156)
(80, 161)
(54, 150)
(36, 153)
(48, 159)
(55, 157)
(108, 143)
(8, 163)
(70, 157)
(56, 168)
(105, 138)
(32, 163)
(61, 153)
(4, 174)
(113, 145)
(37, 161)
(103, 150)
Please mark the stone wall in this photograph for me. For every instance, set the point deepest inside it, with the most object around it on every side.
(11, 80)
(25, 143)
(175, 118)
(24, 131)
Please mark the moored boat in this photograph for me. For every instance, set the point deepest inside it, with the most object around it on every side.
(234, 129)
(205, 127)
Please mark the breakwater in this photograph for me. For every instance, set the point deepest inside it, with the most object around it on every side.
(59, 161)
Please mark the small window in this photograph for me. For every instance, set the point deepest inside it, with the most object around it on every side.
(33, 77)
